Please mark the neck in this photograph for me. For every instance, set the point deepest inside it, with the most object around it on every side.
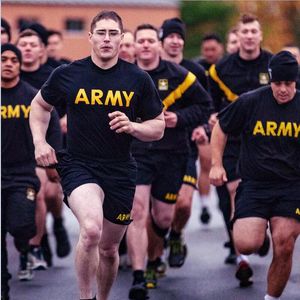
(249, 55)
(10, 84)
(175, 59)
(103, 64)
(30, 67)
(147, 65)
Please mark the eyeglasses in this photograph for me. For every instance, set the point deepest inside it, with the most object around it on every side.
(112, 33)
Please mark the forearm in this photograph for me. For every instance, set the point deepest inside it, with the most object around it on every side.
(151, 130)
(39, 120)
(218, 143)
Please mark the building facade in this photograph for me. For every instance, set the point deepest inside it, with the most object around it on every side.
(73, 17)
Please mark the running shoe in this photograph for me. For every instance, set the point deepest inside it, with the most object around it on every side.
(63, 247)
(25, 272)
(178, 252)
(150, 277)
(36, 259)
(138, 291)
(244, 274)
(205, 215)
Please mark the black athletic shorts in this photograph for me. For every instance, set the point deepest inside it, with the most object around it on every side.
(267, 200)
(18, 211)
(164, 171)
(116, 178)
(190, 176)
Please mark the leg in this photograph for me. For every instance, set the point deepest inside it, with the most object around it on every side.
(162, 214)
(137, 239)
(109, 257)
(249, 234)
(54, 197)
(284, 234)
(203, 180)
(183, 207)
(86, 204)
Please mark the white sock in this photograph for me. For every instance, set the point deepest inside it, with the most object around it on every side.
(268, 297)
(205, 199)
(242, 257)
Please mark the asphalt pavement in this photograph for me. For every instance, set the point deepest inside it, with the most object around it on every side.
(204, 276)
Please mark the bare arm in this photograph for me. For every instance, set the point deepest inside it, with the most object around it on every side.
(218, 141)
(147, 131)
(39, 120)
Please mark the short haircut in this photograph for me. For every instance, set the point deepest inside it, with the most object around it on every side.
(248, 18)
(54, 32)
(107, 15)
(146, 26)
(211, 36)
(28, 32)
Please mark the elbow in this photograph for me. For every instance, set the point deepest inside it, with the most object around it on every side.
(161, 131)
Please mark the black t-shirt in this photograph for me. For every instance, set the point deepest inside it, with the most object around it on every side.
(38, 77)
(17, 152)
(90, 94)
(270, 147)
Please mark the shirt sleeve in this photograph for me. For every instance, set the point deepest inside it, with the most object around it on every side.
(150, 104)
(52, 90)
(234, 117)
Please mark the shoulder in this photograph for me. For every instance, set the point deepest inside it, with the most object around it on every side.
(193, 67)
(266, 54)
(174, 69)
(28, 87)
(257, 94)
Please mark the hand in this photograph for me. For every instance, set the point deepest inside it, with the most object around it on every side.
(217, 175)
(63, 124)
(170, 119)
(45, 155)
(212, 120)
(120, 122)
(199, 135)
(52, 175)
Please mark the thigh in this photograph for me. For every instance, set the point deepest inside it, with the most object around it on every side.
(86, 203)
(250, 229)
(111, 235)
(283, 228)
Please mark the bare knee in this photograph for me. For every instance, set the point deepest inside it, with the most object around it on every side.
(283, 245)
(110, 252)
(140, 211)
(90, 234)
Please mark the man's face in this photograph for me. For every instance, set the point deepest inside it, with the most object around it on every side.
(127, 49)
(31, 48)
(105, 39)
(147, 45)
(250, 36)
(173, 44)
(4, 36)
(10, 66)
(54, 45)
(283, 91)
(211, 51)
(233, 43)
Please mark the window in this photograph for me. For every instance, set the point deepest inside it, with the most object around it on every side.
(74, 25)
